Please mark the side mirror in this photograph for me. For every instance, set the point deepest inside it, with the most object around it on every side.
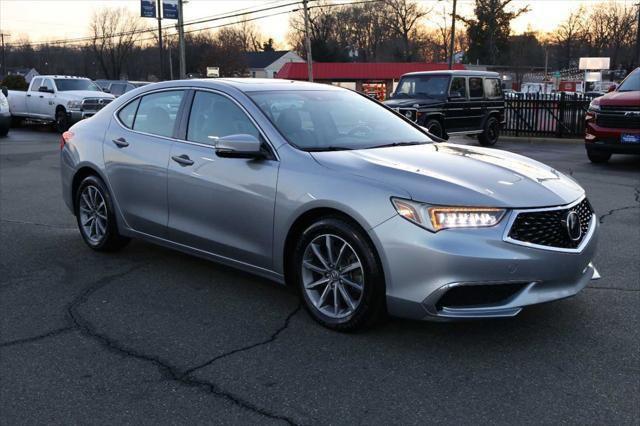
(5, 91)
(239, 146)
(45, 89)
(105, 90)
(611, 88)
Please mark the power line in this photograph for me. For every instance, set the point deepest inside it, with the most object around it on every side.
(227, 15)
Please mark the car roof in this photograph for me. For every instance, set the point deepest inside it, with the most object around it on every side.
(249, 84)
(461, 73)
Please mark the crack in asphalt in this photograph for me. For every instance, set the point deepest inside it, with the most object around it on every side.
(166, 368)
(48, 225)
(32, 339)
(271, 339)
(612, 211)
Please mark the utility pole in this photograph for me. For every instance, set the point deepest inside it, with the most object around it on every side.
(308, 40)
(4, 57)
(638, 37)
(160, 41)
(452, 42)
(183, 64)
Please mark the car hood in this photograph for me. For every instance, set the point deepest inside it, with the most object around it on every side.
(82, 94)
(621, 99)
(412, 103)
(458, 175)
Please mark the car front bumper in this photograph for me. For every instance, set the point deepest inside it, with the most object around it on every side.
(607, 139)
(75, 116)
(422, 267)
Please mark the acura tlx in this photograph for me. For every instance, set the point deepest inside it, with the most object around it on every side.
(332, 193)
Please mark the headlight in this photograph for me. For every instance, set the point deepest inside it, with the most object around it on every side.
(74, 105)
(594, 106)
(4, 103)
(436, 218)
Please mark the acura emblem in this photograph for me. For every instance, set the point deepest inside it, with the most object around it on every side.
(574, 228)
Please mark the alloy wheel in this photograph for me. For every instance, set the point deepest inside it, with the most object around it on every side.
(332, 276)
(93, 214)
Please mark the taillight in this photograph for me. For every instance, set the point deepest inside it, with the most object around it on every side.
(66, 137)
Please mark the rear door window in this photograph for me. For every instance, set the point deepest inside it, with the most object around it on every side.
(475, 88)
(36, 83)
(157, 113)
(458, 87)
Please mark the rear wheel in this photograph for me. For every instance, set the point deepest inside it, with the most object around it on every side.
(337, 272)
(95, 216)
(16, 121)
(598, 156)
(491, 132)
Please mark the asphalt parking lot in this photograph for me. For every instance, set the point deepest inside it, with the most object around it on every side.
(149, 335)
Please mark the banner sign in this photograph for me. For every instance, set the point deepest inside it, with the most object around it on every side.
(170, 9)
(147, 8)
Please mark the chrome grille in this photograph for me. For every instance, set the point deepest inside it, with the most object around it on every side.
(621, 120)
(548, 228)
(94, 104)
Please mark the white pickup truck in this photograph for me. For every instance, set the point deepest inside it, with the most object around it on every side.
(61, 100)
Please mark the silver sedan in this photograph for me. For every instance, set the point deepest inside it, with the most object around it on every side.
(332, 193)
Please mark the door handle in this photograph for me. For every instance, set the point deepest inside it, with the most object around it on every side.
(41, 96)
(120, 142)
(28, 95)
(183, 160)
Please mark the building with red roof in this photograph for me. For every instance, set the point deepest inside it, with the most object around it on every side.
(370, 77)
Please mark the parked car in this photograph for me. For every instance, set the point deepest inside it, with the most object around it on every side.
(5, 115)
(329, 191)
(61, 100)
(613, 121)
(120, 87)
(452, 102)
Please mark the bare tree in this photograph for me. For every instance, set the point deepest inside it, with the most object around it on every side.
(114, 32)
(403, 18)
(570, 34)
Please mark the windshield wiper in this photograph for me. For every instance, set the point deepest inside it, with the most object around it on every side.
(397, 144)
(328, 148)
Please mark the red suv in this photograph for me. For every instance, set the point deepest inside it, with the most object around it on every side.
(613, 121)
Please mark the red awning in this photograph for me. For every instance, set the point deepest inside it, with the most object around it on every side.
(358, 70)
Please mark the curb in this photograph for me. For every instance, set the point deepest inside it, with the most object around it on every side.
(530, 139)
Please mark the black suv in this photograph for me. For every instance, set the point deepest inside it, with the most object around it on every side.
(452, 102)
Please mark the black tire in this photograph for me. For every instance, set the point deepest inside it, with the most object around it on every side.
(491, 133)
(4, 131)
(62, 121)
(435, 127)
(598, 156)
(111, 240)
(371, 306)
(16, 121)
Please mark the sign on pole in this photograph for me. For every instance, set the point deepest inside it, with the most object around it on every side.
(147, 8)
(170, 9)
(594, 64)
(213, 72)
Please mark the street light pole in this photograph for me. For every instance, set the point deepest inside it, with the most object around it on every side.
(4, 57)
(452, 42)
(638, 37)
(308, 41)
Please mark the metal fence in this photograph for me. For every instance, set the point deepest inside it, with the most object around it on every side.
(556, 115)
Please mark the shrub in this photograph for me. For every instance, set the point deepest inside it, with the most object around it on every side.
(15, 82)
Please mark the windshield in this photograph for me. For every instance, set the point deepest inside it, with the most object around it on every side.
(67, 84)
(631, 83)
(334, 120)
(430, 86)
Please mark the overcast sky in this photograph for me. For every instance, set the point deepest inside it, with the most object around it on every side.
(61, 19)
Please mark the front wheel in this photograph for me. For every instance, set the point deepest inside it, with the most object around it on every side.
(95, 216)
(62, 121)
(337, 272)
(491, 132)
(435, 128)
(598, 156)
